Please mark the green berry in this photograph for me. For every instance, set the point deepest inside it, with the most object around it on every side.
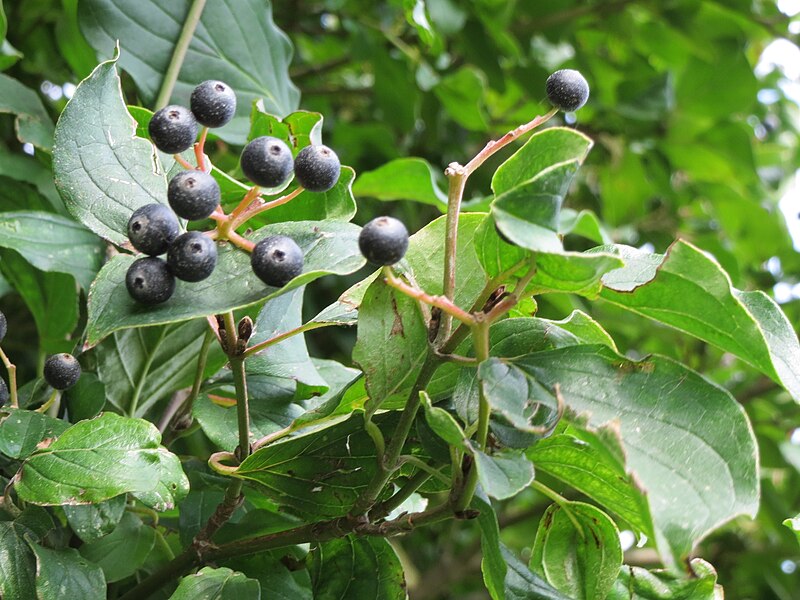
(267, 162)
(3, 326)
(173, 129)
(383, 241)
(567, 90)
(193, 195)
(277, 260)
(213, 103)
(317, 168)
(192, 256)
(152, 228)
(149, 281)
(62, 371)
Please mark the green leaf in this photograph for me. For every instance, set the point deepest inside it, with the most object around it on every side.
(493, 566)
(149, 30)
(794, 525)
(66, 574)
(22, 430)
(517, 337)
(444, 424)
(461, 95)
(523, 584)
(329, 247)
(688, 290)
(512, 393)
(392, 343)
(17, 563)
(33, 124)
(286, 364)
(503, 474)
(93, 521)
(53, 243)
(21, 172)
(299, 129)
(271, 573)
(402, 179)
(577, 550)
(171, 484)
(98, 459)
(713, 471)
(288, 471)
(571, 272)
(357, 567)
(217, 584)
(584, 223)
(593, 462)
(141, 366)
(530, 187)
(51, 297)
(124, 550)
(636, 583)
(337, 204)
(274, 410)
(86, 398)
(102, 170)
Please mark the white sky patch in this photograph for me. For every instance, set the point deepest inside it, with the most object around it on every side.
(789, 7)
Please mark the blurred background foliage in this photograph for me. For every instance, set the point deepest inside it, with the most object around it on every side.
(694, 113)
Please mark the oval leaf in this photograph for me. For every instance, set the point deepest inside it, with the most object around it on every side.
(102, 170)
(688, 290)
(149, 31)
(98, 459)
(217, 584)
(329, 247)
(577, 550)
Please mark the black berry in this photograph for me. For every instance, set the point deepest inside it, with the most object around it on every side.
(277, 260)
(213, 103)
(3, 326)
(383, 241)
(267, 161)
(567, 90)
(193, 194)
(149, 281)
(62, 371)
(152, 228)
(173, 129)
(3, 393)
(317, 168)
(192, 257)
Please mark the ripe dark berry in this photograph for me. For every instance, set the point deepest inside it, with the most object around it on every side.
(62, 371)
(317, 168)
(152, 228)
(567, 90)
(277, 260)
(383, 241)
(149, 281)
(3, 326)
(173, 129)
(193, 194)
(192, 257)
(267, 161)
(3, 393)
(213, 103)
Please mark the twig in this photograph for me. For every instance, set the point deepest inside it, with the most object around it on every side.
(179, 52)
(12, 379)
(457, 176)
(440, 302)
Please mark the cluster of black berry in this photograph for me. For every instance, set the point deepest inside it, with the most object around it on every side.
(194, 195)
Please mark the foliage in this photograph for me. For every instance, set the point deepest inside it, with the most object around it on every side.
(575, 351)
